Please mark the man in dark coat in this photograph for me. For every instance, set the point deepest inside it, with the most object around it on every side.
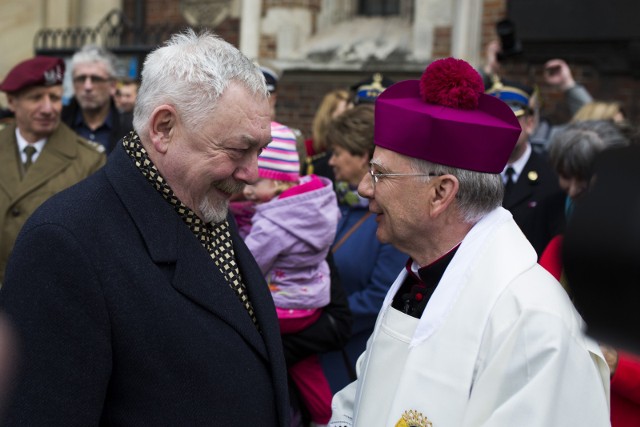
(530, 181)
(92, 111)
(133, 297)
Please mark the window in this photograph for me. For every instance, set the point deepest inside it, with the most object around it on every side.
(378, 7)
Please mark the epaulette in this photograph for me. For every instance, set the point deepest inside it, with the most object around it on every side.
(94, 145)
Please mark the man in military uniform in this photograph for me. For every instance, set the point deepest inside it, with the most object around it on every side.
(39, 155)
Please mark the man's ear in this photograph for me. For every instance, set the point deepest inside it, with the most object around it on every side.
(113, 87)
(529, 124)
(445, 188)
(11, 100)
(162, 127)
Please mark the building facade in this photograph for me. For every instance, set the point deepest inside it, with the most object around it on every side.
(320, 45)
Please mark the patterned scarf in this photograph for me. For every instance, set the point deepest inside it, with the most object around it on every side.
(215, 238)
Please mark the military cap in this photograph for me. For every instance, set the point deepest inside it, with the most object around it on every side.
(38, 71)
(515, 95)
(366, 91)
(271, 78)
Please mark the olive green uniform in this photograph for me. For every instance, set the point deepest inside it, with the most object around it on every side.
(65, 160)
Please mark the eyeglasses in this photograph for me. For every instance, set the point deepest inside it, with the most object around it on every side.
(376, 176)
(94, 79)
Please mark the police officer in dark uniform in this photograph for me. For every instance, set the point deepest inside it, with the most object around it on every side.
(530, 181)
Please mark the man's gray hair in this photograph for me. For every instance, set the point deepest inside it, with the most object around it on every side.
(478, 193)
(190, 72)
(95, 54)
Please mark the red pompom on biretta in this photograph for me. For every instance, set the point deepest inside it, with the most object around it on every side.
(447, 119)
(451, 83)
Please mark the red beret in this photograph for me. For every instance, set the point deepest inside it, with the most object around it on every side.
(38, 71)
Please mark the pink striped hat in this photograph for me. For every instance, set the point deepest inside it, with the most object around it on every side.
(279, 160)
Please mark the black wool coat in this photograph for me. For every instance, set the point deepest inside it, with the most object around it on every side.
(124, 320)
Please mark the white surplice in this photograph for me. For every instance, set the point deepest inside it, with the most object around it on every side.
(499, 344)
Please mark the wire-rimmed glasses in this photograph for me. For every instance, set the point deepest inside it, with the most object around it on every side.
(376, 176)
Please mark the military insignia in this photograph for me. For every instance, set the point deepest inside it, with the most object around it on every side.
(373, 89)
(532, 176)
(96, 146)
(413, 418)
(53, 76)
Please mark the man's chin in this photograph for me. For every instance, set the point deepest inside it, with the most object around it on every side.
(383, 231)
(214, 214)
(46, 131)
(90, 106)
(382, 236)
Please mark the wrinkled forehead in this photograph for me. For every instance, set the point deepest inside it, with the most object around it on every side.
(243, 113)
(38, 90)
(128, 89)
(389, 160)
(91, 68)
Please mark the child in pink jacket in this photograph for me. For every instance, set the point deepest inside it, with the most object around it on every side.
(292, 229)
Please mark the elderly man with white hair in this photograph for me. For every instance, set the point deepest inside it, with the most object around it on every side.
(133, 297)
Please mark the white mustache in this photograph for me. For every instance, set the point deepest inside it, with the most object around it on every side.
(230, 186)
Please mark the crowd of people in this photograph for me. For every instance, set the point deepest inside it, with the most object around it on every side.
(172, 254)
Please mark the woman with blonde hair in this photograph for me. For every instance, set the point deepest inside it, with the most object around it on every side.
(333, 104)
(599, 110)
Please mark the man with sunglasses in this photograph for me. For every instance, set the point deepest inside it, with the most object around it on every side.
(473, 332)
(92, 112)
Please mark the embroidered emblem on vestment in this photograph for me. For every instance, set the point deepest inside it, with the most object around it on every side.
(413, 418)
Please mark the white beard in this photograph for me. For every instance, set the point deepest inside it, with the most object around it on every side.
(214, 213)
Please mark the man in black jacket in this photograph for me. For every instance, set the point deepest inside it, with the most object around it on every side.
(92, 112)
(133, 297)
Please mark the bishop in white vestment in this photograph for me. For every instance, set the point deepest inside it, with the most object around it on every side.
(474, 332)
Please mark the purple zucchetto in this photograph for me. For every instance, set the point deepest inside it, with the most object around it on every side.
(446, 118)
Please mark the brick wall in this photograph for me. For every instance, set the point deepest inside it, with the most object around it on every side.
(492, 12)
(166, 13)
(268, 46)
(229, 29)
(442, 42)
(300, 93)
(160, 12)
(603, 87)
